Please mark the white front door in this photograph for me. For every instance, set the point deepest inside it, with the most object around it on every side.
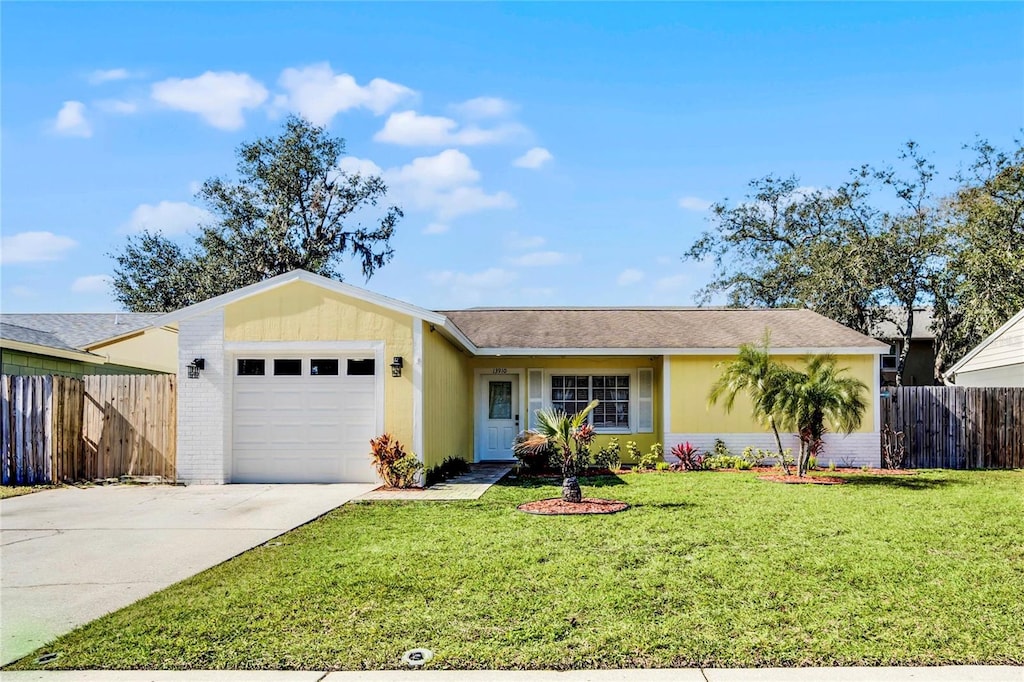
(499, 417)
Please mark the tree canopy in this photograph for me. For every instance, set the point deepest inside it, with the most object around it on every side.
(290, 207)
(878, 246)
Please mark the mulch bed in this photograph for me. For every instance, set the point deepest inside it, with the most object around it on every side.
(557, 506)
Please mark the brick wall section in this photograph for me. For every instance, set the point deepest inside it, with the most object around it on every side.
(201, 402)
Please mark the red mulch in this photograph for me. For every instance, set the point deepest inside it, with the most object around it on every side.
(557, 505)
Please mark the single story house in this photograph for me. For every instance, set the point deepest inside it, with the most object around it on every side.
(295, 374)
(76, 344)
(998, 361)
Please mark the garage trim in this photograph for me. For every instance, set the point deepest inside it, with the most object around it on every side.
(233, 349)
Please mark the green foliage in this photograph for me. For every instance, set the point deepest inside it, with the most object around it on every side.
(395, 467)
(449, 468)
(533, 456)
(720, 449)
(609, 457)
(725, 462)
(831, 465)
(662, 466)
(689, 457)
(756, 457)
(633, 450)
(290, 208)
(812, 462)
(647, 461)
(569, 436)
(878, 246)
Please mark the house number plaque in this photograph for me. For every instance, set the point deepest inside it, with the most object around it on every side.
(499, 370)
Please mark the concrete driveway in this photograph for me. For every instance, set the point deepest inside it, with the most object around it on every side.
(70, 555)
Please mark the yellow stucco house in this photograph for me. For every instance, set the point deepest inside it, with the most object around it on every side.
(292, 376)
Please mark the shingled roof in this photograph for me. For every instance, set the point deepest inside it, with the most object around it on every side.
(71, 330)
(652, 328)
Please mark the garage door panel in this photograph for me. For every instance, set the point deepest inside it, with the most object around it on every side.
(303, 429)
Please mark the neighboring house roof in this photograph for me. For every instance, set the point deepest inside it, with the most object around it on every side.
(78, 330)
(792, 330)
(994, 336)
(922, 325)
(14, 332)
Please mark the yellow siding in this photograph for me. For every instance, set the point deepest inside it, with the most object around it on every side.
(447, 400)
(589, 365)
(693, 375)
(154, 349)
(299, 311)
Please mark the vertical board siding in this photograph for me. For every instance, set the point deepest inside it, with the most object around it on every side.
(957, 427)
(63, 429)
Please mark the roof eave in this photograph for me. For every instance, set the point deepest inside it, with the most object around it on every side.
(951, 372)
(80, 356)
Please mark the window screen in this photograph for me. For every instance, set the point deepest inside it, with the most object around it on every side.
(287, 367)
(251, 368)
(361, 368)
(325, 367)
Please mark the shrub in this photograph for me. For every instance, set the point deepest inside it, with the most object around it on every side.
(609, 457)
(831, 465)
(633, 451)
(812, 462)
(662, 466)
(449, 468)
(755, 457)
(395, 467)
(532, 459)
(646, 461)
(720, 449)
(689, 457)
(724, 462)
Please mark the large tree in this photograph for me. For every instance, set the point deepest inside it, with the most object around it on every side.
(876, 248)
(290, 207)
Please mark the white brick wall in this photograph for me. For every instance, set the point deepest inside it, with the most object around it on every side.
(857, 449)
(201, 402)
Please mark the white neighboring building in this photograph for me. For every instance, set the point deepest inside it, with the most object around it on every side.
(998, 361)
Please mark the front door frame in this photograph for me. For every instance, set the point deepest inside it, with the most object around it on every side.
(480, 401)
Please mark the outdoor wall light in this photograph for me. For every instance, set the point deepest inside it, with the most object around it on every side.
(195, 366)
(396, 366)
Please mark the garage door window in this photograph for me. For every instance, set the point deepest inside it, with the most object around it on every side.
(325, 367)
(287, 367)
(251, 368)
(360, 368)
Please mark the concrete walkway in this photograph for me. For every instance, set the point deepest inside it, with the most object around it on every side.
(71, 555)
(937, 674)
(466, 487)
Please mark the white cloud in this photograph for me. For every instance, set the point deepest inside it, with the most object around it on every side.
(450, 168)
(514, 240)
(411, 129)
(356, 166)
(169, 217)
(484, 107)
(543, 259)
(34, 247)
(220, 98)
(436, 228)
(71, 120)
(106, 75)
(492, 278)
(629, 276)
(671, 282)
(320, 94)
(117, 106)
(535, 158)
(445, 184)
(694, 204)
(92, 284)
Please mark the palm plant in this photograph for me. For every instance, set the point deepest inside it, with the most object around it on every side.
(568, 435)
(755, 373)
(819, 398)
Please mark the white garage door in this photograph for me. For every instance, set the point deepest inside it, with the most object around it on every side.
(303, 419)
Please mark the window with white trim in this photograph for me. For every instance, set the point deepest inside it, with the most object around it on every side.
(572, 392)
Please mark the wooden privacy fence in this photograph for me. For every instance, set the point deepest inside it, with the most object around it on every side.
(957, 427)
(64, 429)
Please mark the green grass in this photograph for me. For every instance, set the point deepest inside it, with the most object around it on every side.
(714, 569)
(17, 490)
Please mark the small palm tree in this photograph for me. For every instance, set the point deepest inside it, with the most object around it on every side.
(819, 398)
(755, 373)
(568, 435)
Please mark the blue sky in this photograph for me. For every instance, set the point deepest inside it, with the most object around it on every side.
(544, 153)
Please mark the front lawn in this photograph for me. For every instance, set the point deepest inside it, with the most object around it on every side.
(713, 569)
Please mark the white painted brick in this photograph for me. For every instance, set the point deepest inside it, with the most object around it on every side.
(201, 401)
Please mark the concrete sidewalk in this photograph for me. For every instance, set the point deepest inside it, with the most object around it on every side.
(936, 674)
